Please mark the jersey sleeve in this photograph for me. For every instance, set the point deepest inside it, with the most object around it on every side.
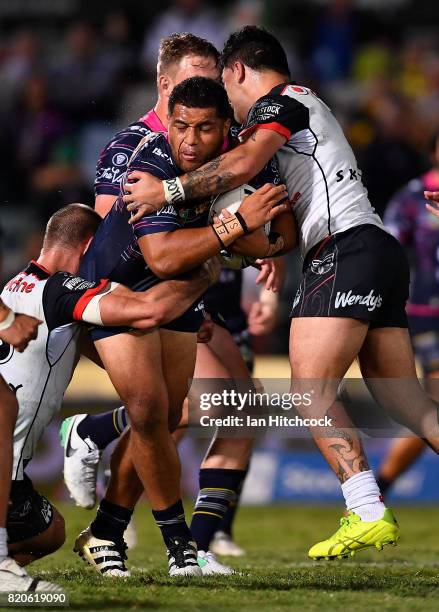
(154, 158)
(113, 160)
(66, 296)
(280, 114)
(164, 220)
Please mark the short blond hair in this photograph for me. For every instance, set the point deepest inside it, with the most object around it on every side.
(70, 226)
(176, 46)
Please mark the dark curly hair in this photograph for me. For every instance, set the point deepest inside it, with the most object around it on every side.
(256, 48)
(201, 92)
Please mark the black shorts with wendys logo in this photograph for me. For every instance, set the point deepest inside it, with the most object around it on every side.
(29, 512)
(362, 273)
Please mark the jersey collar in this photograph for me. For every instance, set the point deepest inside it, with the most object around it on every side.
(37, 270)
(152, 120)
(278, 89)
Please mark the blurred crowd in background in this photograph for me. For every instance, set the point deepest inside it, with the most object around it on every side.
(72, 72)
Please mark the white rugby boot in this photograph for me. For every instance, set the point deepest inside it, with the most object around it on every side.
(106, 557)
(14, 578)
(211, 566)
(81, 462)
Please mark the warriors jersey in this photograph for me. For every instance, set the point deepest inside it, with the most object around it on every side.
(316, 163)
(40, 375)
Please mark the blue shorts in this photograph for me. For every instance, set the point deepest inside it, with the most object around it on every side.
(189, 322)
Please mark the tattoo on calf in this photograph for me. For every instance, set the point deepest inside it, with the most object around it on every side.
(347, 450)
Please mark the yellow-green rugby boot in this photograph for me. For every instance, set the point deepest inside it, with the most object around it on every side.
(355, 534)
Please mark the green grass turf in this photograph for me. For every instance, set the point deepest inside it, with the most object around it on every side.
(276, 573)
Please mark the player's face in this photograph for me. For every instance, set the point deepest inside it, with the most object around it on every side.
(195, 65)
(196, 135)
(236, 94)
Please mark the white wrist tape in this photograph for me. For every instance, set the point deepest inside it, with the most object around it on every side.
(174, 192)
(7, 321)
(92, 312)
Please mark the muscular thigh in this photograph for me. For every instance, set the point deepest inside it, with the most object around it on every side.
(324, 347)
(387, 353)
(133, 362)
(388, 367)
(321, 351)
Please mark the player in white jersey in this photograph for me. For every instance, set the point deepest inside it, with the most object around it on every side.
(50, 290)
(351, 302)
(16, 330)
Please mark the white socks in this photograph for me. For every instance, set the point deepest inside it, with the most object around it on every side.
(363, 496)
(3, 543)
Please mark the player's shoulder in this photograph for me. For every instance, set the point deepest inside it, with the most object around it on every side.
(62, 282)
(277, 111)
(276, 100)
(153, 153)
(117, 152)
(132, 133)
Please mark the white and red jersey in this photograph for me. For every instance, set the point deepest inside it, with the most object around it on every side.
(316, 163)
(40, 375)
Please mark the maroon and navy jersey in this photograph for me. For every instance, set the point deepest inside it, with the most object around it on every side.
(113, 160)
(418, 230)
(114, 252)
(225, 297)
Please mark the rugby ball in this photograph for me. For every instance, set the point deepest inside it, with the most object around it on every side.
(231, 201)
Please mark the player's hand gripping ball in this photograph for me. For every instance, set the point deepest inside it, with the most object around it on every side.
(231, 201)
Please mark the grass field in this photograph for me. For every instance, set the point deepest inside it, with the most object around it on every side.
(276, 574)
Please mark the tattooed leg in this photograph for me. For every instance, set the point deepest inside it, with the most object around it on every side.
(342, 446)
(321, 352)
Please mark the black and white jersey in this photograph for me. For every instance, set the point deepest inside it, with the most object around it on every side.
(316, 163)
(40, 375)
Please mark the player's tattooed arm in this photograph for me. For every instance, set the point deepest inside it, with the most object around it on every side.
(233, 168)
(145, 193)
(210, 178)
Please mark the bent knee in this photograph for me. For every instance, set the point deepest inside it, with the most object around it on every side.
(146, 418)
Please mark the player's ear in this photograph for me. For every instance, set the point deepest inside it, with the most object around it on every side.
(239, 70)
(165, 85)
(226, 127)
